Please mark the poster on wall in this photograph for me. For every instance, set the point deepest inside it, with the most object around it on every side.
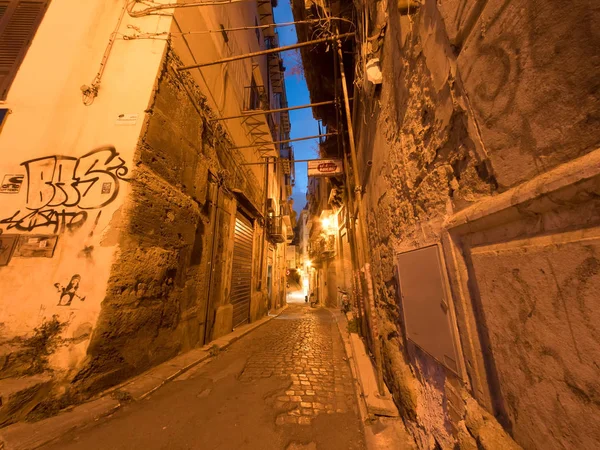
(36, 246)
(7, 246)
(325, 168)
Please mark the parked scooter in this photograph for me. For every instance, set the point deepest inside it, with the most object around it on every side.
(344, 300)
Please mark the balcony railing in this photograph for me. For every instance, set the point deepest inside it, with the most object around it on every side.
(322, 248)
(255, 98)
(275, 229)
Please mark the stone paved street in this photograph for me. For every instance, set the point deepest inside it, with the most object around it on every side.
(287, 385)
(304, 347)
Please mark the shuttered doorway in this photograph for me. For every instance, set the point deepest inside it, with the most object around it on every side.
(241, 275)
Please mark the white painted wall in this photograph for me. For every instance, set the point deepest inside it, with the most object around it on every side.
(49, 119)
(223, 84)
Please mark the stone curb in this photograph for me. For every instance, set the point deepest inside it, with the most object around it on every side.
(342, 324)
(29, 436)
(381, 433)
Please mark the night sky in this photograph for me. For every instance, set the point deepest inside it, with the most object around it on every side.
(303, 123)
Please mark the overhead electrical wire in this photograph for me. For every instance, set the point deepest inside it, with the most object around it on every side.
(262, 27)
(159, 7)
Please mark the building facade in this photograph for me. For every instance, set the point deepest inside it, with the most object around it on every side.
(138, 216)
(476, 132)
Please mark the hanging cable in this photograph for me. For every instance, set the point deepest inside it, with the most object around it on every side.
(262, 27)
(90, 92)
(159, 7)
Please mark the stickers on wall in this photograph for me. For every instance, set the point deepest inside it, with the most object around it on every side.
(36, 246)
(11, 184)
(127, 119)
(7, 247)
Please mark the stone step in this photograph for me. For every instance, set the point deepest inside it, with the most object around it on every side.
(19, 396)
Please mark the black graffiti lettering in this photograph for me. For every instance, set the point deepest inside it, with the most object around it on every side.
(95, 169)
(61, 188)
(60, 220)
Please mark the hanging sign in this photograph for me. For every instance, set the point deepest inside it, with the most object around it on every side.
(325, 167)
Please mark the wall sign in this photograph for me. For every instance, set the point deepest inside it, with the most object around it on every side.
(325, 168)
(36, 246)
(127, 119)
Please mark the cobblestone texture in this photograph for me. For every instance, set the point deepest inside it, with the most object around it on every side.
(304, 346)
(284, 386)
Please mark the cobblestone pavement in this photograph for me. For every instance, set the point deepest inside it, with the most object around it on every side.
(286, 385)
(304, 347)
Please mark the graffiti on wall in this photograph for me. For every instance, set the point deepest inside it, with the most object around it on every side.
(70, 291)
(62, 190)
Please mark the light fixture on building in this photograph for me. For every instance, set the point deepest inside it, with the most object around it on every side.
(329, 222)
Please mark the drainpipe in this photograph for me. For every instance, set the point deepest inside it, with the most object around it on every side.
(356, 285)
(370, 304)
(264, 240)
(215, 220)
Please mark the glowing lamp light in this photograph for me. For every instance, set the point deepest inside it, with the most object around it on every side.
(326, 223)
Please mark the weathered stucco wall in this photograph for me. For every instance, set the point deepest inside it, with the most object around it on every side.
(107, 217)
(156, 303)
(477, 99)
(66, 170)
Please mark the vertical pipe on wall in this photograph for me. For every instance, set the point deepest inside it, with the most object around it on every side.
(215, 184)
(357, 288)
(264, 240)
(362, 226)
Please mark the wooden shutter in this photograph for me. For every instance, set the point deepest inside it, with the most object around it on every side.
(19, 20)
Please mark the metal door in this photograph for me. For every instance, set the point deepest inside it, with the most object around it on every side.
(424, 303)
(241, 275)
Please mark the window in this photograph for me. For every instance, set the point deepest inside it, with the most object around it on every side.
(4, 112)
(19, 20)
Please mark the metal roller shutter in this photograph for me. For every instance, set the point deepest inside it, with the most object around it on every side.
(241, 275)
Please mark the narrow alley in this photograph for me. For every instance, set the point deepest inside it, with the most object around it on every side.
(261, 393)
(300, 224)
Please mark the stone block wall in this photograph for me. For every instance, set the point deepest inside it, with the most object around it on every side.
(158, 292)
(484, 138)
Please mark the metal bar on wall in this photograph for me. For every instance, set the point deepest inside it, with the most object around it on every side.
(284, 142)
(259, 112)
(267, 52)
